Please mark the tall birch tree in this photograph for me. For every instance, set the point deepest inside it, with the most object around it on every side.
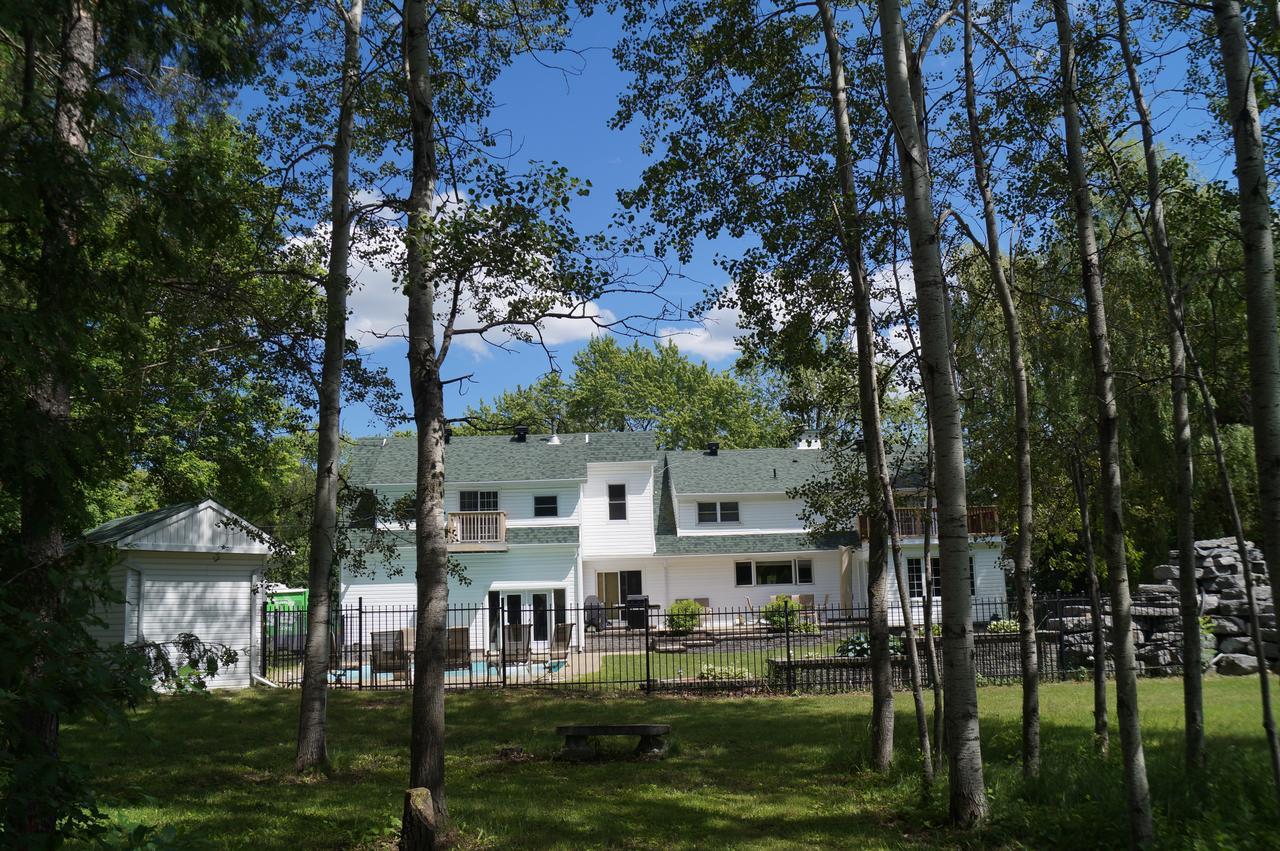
(1137, 790)
(967, 792)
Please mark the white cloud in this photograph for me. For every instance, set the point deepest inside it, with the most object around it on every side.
(713, 338)
(379, 311)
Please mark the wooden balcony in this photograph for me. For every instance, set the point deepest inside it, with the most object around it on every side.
(983, 520)
(477, 531)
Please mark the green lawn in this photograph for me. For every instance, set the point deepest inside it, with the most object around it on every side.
(743, 773)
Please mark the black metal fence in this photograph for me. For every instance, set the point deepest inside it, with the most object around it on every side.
(785, 646)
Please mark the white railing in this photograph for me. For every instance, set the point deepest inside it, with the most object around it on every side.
(477, 527)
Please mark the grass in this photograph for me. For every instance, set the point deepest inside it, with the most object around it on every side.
(630, 667)
(743, 773)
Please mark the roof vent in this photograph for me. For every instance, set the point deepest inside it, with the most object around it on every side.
(384, 442)
(522, 433)
(713, 449)
(448, 433)
(553, 440)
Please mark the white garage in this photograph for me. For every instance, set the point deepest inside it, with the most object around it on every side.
(193, 567)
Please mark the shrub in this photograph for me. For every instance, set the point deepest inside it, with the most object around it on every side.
(782, 612)
(858, 646)
(723, 672)
(684, 615)
(1004, 626)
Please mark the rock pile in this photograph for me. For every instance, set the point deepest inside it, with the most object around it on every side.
(1157, 624)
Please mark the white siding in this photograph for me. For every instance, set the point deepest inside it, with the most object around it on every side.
(988, 583)
(756, 514)
(206, 595)
(111, 631)
(534, 568)
(204, 528)
(517, 501)
(685, 577)
(633, 536)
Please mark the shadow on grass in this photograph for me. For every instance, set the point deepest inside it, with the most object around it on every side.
(748, 772)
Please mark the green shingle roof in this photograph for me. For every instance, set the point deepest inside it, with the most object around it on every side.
(784, 542)
(123, 527)
(515, 535)
(744, 470)
(497, 458)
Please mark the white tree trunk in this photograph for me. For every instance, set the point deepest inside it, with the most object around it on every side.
(1025, 592)
(312, 749)
(1259, 271)
(426, 749)
(968, 800)
(1137, 790)
(879, 494)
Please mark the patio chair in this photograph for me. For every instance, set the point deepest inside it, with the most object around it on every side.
(808, 610)
(516, 644)
(388, 654)
(458, 651)
(559, 649)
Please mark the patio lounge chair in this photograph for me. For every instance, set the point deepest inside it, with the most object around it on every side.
(458, 652)
(516, 641)
(388, 655)
(559, 649)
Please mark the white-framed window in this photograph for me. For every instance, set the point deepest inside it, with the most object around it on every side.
(546, 506)
(132, 606)
(773, 572)
(718, 512)
(915, 578)
(477, 500)
(617, 502)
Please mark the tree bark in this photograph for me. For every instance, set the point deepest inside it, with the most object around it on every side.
(43, 491)
(1189, 598)
(1137, 790)
(926, 575)
(1101, 735)
(1024, 588)
(879, 508)
(426, 748)
(1259, 271)
(968, 800)
(313, 749)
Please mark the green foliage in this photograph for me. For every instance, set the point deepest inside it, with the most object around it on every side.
(684, 615)
(639, 388)
(858, 646)
(783, 613)
(723, 673)
(1003, 626)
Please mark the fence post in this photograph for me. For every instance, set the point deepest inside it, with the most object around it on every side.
(359, 641)
(262, 663)
(1062, 646)
(786, 625)
(502, 641)
(648, 678)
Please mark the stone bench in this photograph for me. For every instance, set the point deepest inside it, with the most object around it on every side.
(653, 740)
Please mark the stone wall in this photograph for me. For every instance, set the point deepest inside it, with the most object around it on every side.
(1157, 624)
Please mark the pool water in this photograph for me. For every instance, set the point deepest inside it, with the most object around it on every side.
(478, 671)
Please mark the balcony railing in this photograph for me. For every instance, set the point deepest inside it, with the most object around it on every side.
(483, 529)
(982, 520)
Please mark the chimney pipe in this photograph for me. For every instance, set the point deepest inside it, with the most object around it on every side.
(522, 433)
(713, 448)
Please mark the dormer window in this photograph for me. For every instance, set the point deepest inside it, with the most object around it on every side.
(717, 512)
(477, 500)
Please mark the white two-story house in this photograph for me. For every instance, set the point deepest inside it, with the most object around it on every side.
(539, 523)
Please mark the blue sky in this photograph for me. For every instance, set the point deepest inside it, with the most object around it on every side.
(562, 117)
(554, 115)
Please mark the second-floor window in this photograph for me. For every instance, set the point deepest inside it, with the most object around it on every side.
(717, 512)
(546, 506)
(477, 500)
(617, 502)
